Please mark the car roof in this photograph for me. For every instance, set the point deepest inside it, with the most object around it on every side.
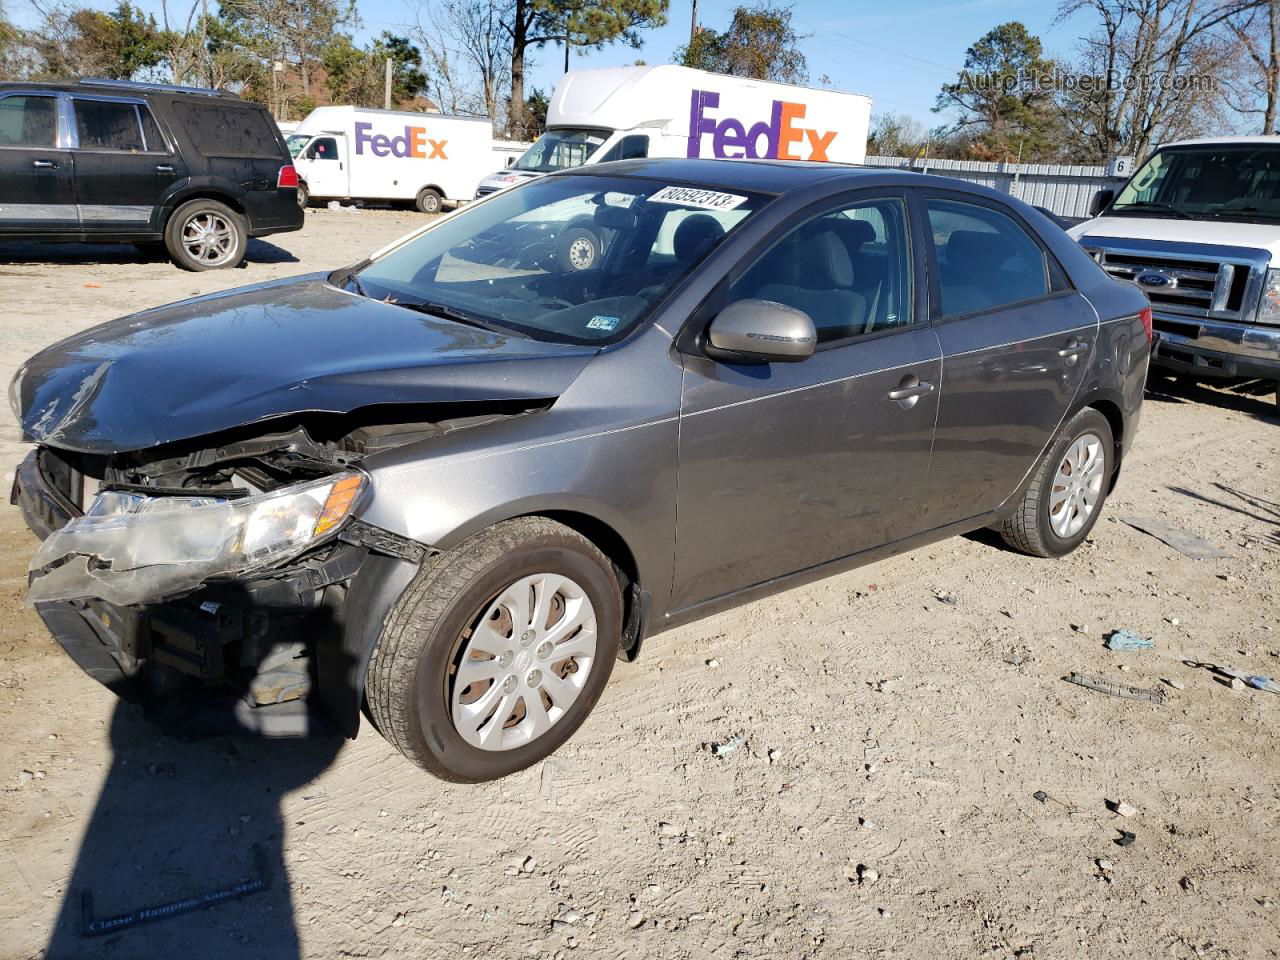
(117, 88)
(1270, 140)
(774, 176)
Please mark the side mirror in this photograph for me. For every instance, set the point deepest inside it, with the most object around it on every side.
(1101, 200)
(761, 331)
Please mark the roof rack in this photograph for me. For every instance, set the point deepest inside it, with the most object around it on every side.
(163, 87)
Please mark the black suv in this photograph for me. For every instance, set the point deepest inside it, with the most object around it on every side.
(198, 170)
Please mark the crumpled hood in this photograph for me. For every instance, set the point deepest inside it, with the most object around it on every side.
(291, 346)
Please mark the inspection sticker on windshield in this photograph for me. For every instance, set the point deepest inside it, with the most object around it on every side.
(692, 197)
(602, 323)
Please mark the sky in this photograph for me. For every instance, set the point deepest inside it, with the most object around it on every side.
(898, 52)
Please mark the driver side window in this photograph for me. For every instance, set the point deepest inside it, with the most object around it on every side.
(325, 148)
(848, 268)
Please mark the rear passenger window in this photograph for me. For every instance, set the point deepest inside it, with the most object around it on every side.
(27, 122)
(224, 130)
(985, 260)
(849, 269)
(103, 125)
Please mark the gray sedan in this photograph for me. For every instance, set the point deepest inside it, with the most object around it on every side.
(451, 485)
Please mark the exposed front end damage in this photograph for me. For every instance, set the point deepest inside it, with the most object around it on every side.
(227, 582)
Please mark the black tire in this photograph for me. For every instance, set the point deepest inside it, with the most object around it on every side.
(408, 683)
(1028, 528)
(429, 201)
(577, 249)
(213, 213)
(304, 195)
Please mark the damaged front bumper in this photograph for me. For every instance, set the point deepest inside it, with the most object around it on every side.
(276, 651)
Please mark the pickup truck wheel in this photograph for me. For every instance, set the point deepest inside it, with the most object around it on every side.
(429, 201)
(1067, 491)
(304, 195)
(497, 651)
(206, 235)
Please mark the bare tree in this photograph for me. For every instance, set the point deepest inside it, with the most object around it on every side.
(1257, 33)
(1157, 67)
(183, 44)
(469, 50)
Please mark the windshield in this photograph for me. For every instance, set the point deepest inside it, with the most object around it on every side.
(295, 143)
(1223, 182)
(561, 148)
(575, 259)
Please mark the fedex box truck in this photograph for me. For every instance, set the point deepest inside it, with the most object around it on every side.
(619, 113)
(354, 153)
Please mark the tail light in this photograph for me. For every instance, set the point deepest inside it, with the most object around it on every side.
(289, 178)
(1145, 316)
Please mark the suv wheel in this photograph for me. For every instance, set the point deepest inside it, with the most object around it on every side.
(206, 235)
(1067, 491)
(497, 651)
(429, 201)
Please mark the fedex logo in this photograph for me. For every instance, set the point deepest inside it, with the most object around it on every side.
(413, 143)
(731, 139)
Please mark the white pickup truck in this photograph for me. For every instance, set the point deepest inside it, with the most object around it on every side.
(1198, 228)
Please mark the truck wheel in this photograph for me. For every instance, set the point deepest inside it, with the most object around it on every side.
(497, 651)
(577, 249)
(206, 235)
(1067, 491)
(304, 195)
(429, 201)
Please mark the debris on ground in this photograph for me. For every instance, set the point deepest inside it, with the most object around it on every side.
(1041, 796)
(1236, 684)
(1188, 544)
(1125, 639)
(1126, 838)
(1258, 683)
(942, 596)
(867, 874)
(1176, 684)
(1153, 695)
(92, 926)
(1122, 808)
(726, 747)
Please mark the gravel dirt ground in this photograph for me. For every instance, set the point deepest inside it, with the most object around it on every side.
(898, 725)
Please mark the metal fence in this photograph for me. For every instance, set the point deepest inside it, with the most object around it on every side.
(1066, 189)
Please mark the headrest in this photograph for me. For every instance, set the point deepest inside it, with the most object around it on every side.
(695, 235)
(824, 261)
(854, 233)
(976, 253)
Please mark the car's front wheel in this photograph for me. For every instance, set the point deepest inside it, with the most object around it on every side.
(497, 651)
(1067, 490)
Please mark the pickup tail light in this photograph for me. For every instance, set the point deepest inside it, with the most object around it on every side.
(288, 176)
(1145, 316)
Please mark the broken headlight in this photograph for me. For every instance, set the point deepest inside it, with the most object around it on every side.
(132, 548)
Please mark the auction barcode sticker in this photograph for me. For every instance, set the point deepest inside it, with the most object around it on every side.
(693, 197)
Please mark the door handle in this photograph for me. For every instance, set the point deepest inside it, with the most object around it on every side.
(164, 168)
(909, 391)
(44, 164)
(1073, 349)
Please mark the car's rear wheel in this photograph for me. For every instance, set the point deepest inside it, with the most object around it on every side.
(429, 201)
(206, 235)
(497, 651)
(1067, 490)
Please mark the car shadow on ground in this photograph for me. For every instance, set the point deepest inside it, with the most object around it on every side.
(1256, 397)
(260, 251)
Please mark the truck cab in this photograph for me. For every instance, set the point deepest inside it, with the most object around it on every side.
(1197, 227)
(627, 113)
